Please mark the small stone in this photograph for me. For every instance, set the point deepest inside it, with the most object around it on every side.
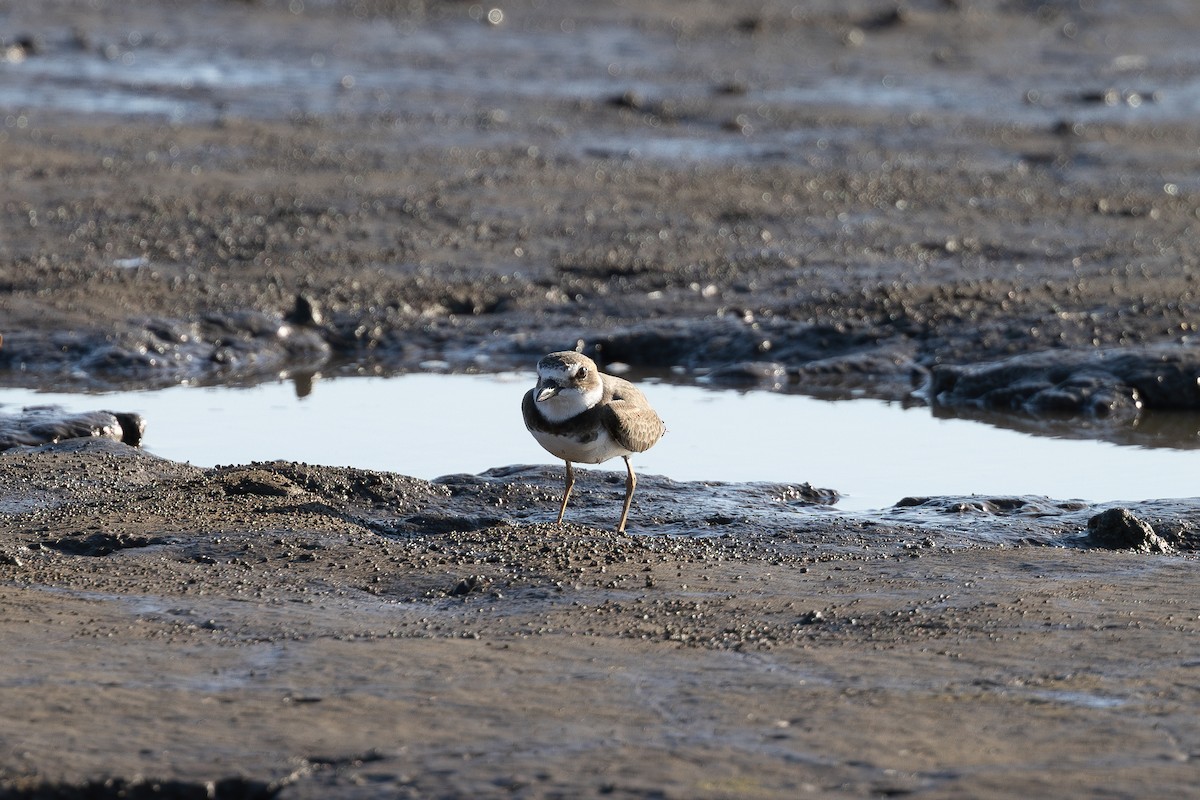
(1119, 529)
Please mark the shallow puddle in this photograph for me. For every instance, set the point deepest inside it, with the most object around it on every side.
(427, 425)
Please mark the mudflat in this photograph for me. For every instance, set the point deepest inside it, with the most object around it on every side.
(979, 206)
(279, 630)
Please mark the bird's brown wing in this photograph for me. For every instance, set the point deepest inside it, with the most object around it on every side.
(629, 419)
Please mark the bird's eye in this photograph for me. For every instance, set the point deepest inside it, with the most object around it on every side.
(581, 373)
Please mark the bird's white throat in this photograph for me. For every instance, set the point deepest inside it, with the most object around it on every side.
(570, 402)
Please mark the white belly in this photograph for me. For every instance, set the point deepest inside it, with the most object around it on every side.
(602, 448)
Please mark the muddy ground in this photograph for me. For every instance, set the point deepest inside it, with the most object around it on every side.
(875, 199)
(292, 631)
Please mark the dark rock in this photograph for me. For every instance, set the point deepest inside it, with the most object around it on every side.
(38, 425)
(1114, 383)
(1119, 529)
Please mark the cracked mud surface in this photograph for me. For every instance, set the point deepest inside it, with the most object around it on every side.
(992, 200)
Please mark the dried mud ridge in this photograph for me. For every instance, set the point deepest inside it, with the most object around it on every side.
(374, 582)
(1103, 393)
(96, 497)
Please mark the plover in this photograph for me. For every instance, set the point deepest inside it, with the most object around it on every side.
(580, 414)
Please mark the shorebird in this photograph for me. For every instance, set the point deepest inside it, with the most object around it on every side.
(582, 415)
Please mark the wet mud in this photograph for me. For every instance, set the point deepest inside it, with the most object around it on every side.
(283, 630)
(984, 207)
(1100, 383)
(47, 424)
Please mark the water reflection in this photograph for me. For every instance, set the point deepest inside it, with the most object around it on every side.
(874, 453)
(1172, 429)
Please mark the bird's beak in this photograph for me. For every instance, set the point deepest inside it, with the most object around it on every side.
(546, 391)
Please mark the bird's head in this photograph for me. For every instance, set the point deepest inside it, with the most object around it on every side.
(568, 384)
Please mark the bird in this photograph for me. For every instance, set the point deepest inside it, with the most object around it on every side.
(582, 415)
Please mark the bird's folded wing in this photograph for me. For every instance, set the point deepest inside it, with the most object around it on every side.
(634, 427)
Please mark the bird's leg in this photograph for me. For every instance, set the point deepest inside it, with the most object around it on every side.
(630, 485)
(570, 484)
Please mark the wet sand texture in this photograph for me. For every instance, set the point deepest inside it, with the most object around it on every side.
(290, 631)
(985, 206)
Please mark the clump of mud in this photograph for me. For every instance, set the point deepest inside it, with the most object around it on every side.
(1119, 529)
(37, 425)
